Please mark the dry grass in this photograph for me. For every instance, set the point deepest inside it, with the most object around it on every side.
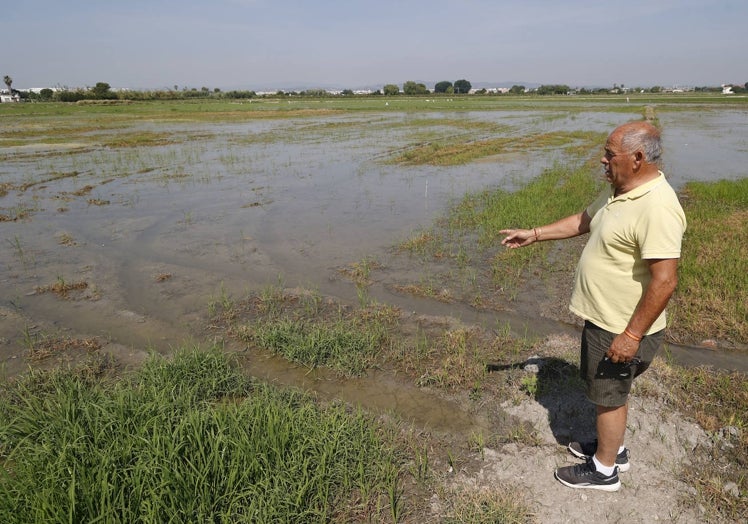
(65, 239)
(442, 294)
(360, 272)
(17, 214)
(718, 402)
(48, 347)
(83, 191)
(62, 289)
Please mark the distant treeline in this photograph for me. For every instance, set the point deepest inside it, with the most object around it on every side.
(103, 91)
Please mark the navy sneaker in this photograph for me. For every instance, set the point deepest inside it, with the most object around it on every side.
(585, 475)
(585, 450)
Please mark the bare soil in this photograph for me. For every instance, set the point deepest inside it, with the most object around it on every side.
(660, 440)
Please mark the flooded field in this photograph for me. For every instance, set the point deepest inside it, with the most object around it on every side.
(126, 228)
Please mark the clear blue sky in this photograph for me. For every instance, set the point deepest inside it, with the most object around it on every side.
(284, 43)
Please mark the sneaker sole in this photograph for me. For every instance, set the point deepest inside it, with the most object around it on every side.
(623, 468)
(601, 487)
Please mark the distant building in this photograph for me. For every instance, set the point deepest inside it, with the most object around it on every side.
(6, 96)
(727, 89)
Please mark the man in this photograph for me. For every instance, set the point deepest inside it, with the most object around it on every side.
(624, 279)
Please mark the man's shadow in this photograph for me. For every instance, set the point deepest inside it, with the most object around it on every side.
(556, 385)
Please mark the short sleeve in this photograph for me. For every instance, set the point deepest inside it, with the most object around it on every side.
(661, 231)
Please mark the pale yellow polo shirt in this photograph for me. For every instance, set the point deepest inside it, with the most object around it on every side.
(646, 223)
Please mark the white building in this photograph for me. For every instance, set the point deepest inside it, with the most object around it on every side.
(6, 96)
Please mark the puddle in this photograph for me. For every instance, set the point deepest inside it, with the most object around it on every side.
(165, 229)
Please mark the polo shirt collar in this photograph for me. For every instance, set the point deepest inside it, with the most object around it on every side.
(639, 191)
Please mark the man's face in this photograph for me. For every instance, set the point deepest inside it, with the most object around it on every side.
(618, 163)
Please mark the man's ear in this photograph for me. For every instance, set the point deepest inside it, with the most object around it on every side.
(638, 159)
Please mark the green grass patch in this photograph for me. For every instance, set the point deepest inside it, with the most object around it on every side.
(461, 150)
(187, 440)
(344, 345)
(305, 329)
(470, 231)
(351, 340)
(711, 298)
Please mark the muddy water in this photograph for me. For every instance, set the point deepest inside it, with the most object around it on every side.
(230, 208)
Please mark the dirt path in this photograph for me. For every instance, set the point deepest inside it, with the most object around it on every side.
(659, 438)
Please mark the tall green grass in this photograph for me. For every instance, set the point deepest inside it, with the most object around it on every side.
(556, 193)
(711, 298)
(189, 440)
(344, 345)
(476, 221)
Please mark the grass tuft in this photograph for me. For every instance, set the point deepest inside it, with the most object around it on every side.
(500, 504)
(189, 440)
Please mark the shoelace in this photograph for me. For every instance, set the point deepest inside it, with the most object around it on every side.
(585, 468)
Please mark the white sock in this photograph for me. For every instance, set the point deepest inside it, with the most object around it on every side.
(605, 470)
(620, 450)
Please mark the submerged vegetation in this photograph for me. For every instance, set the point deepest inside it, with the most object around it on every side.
(466, 149)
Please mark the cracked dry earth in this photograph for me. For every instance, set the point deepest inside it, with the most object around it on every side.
(660, 440)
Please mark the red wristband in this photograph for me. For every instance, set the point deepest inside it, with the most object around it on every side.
(631, 335)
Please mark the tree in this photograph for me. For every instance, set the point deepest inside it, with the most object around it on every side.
(517, 90)
(71, 96)
(462, 86)
(8, 82)
(102, 91)
(46, 94)
(443, 86)
(553, 89)
(413, 88)
(391, 89)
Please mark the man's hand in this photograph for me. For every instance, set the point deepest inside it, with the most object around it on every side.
(568, 227)
(664, 279)
(622, 350)
(517, 237)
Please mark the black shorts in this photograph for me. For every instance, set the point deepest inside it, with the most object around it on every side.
(609, 384)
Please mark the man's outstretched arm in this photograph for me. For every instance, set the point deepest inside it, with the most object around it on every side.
(568, 227)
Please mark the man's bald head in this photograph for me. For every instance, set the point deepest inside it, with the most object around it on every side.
(640, 136)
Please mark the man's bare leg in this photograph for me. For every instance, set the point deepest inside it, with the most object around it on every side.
(611, 427)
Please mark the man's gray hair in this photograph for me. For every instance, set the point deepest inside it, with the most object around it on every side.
(646, 138)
